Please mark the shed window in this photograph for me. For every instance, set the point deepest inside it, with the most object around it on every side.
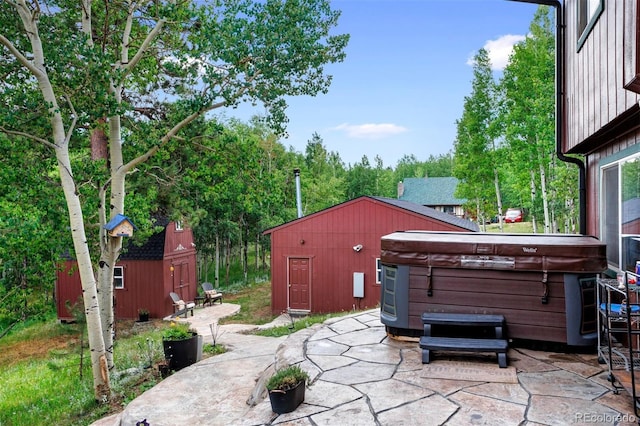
(588, 13)
(179, 225)
(118, 277)
(378, 271)
(620, 212)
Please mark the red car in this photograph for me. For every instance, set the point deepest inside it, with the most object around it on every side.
(513, 216)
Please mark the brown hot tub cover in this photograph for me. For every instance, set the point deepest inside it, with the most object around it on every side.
(520, 252)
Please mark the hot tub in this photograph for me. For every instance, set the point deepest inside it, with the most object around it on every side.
(544, 285)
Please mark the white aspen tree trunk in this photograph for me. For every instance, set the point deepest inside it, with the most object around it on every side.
(478, 215)
(108, 258)
(257, 252)
(545, 200)
(111, 246)
(60, 145)
(533, 199)
(217, 260)
(99, 363)
(571, 228)
(496, 182)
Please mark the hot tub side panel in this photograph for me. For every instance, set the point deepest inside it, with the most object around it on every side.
(394, 298)
(517, 296)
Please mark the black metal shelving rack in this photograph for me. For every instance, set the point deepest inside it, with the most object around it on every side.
(619, 333)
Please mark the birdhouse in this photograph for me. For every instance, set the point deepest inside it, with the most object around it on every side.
(120, 226)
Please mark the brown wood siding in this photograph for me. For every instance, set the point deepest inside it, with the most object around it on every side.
(327, 239)
(516, 295)
(594, 81)
(142, 282)
(144, 287)
(68, 289)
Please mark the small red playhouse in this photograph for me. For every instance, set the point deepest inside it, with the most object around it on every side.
(143, 276)
(329, 261)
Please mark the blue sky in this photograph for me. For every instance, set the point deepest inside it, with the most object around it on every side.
(402, 85)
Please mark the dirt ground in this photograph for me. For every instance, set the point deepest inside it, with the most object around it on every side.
(37, 348)
(256, 299)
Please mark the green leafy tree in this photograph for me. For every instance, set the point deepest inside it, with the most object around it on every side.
(322, 177)
(384, 180)
(71, 70)
(31, 229)
(435, 166)
(439, 166)
(475, 146)
(528, 116)
(361, 179)
(409, 167)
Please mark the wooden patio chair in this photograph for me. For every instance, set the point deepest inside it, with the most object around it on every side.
(180, 306)
(210, 294)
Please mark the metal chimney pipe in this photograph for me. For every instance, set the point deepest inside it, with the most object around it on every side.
(296, 173)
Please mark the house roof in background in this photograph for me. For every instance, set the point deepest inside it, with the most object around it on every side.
(405, 205)
(433, 191)
(432, 213)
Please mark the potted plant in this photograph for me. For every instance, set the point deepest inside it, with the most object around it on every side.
(286, 389)
(143, 315)
(180, 344)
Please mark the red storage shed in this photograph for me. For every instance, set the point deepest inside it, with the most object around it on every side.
(329, 261)
(143, 275)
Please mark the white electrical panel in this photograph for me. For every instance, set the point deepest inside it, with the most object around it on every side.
(358, 284)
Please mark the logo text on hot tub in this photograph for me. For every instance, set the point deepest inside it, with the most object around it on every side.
(530, 249)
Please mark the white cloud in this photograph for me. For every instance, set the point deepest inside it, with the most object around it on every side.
(370, 131)
(499, 50)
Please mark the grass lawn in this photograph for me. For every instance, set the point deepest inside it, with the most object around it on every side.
(512, 228)
(255, 304)
(44, 381)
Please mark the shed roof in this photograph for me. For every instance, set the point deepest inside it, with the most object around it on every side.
(152, 249)
(433, 191)
(393, 203)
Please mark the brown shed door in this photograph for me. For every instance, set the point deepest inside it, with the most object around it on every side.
(299, 283)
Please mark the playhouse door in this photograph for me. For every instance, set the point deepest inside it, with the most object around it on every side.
(299, 283)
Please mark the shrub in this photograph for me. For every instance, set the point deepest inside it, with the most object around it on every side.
(177, 331)
(287, 378)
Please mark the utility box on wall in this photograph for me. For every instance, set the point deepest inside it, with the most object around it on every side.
(358, 284)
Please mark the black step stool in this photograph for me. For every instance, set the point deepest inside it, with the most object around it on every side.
(430, 343)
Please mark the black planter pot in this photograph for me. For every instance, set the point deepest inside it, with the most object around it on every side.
(181, 353)
(287, 401)
(143, 317)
